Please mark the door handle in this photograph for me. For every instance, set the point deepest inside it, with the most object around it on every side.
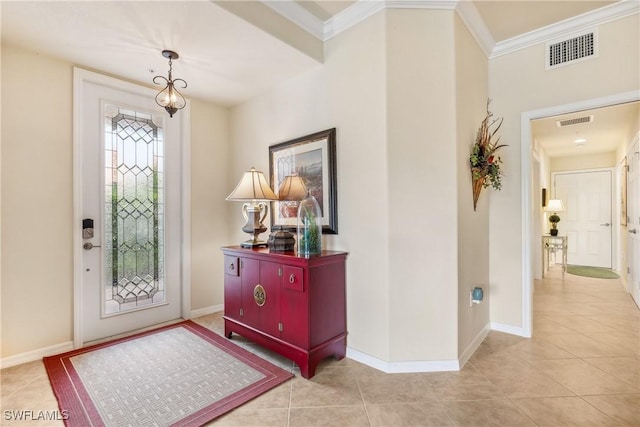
(606, 224)
(88, 246)
(633, 230)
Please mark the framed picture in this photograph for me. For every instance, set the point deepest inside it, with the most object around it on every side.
(313, 158)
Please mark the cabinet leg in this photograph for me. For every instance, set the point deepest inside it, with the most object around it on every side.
(307, 371)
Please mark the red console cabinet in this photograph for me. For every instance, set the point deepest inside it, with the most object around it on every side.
(293, 305)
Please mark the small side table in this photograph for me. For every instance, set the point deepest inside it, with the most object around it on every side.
(552, 244)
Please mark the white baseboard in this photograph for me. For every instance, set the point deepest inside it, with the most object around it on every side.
(403, 367)
(38, 354)
(207, 310)
(509, 329)
(33, 355)
(473, 346)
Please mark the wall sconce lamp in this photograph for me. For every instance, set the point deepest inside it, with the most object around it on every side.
(170, 98)
(555, 206)
(253, 189)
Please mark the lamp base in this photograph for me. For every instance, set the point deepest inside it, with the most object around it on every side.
(253, 244)
(254, 214)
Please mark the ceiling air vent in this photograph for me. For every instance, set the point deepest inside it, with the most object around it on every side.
(572, 50)
(575, 121)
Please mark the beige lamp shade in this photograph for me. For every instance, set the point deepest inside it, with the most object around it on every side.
(252, 186)
(292, 188)
(554, 205)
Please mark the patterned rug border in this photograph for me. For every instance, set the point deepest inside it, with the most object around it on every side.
(74, 399)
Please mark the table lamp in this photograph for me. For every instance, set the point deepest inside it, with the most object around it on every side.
(555, 206)
(291, 191)
(254, 190)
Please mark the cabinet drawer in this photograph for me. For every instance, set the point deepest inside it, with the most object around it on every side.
(231, 265)
(293, 278)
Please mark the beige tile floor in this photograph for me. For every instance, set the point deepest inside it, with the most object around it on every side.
(581, 368)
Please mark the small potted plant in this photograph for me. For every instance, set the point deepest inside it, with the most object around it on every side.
(554, 219)
(309, 226)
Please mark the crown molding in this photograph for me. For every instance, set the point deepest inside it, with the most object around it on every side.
(468, 13)
(298, 15)
(365, 8)
(421, 4)
(569, 26)
(351, 16)
(476, 26)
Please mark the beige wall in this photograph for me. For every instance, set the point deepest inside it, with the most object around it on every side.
(421, 159)
(623, 151)
(519, 83)
(210, 154)
(389, 87)
(37, 202)
(473, 226)
(347, 92)
(587, 161)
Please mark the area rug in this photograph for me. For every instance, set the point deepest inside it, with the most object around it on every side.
(179, 375)
(596, 272)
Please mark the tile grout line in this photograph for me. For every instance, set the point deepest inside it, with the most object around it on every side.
(290, 400)
(364, 403)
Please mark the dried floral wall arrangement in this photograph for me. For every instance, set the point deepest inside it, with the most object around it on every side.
(485, 164)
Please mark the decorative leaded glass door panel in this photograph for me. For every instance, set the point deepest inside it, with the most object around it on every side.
(134, 204)
(130, 188)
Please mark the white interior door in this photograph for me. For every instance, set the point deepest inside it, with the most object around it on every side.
(633, 222)
(587, 219)
(129, 193)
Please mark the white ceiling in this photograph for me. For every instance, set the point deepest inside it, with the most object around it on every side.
(222, 57)
(610, 127)
(508, 19)
(227, 60)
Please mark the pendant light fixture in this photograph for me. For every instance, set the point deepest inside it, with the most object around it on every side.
(169, 98)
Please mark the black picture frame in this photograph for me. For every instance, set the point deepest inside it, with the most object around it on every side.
(312, 157)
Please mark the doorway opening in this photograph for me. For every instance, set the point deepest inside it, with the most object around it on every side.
(531, 189)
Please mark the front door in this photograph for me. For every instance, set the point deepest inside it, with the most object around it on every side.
(130, 204)
(588, 217)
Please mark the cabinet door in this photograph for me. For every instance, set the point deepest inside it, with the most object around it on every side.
(268, 313)
(294, 307)
(232, 288)
(250, 276)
